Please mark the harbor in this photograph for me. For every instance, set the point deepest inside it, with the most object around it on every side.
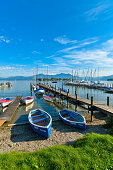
(72, 99)
(18, 132)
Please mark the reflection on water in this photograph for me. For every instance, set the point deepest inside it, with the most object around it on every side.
(28, 107)
(23, 88)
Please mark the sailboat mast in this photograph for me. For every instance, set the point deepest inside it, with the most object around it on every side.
(47, 74)
(72, 75)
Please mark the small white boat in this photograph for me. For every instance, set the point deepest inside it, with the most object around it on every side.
(27, 100)
(6, 101)
(40, 122)
(48, 98)
(40, 91)
(73, 118)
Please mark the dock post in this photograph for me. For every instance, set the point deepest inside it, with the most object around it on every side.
(91, 108)
(75, 92)
(55, 87)
(31, 88)
(107, 101)
(76, 97)
(68, 91)
(67, 99)
(62, 86)
(76, 101)
(87, 96)
(88, 99)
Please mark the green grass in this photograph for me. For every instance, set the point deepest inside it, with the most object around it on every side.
(93, 151)
(109, 125)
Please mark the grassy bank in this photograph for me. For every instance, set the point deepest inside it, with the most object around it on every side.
(93, 151)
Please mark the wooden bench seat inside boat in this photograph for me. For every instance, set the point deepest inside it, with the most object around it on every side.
(41, 123)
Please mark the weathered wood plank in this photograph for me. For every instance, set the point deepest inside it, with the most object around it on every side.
(11, 109)
(2, 122)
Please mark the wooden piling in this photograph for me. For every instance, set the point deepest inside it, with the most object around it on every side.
(87, 96)
(31, 88)
(75, 92)
(91, 108)
(88, 99)
(67, 99)
(107, 101)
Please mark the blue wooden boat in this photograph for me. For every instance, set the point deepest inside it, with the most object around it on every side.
(73, 118)
(41, 122)
(40, 91)
(48, 97)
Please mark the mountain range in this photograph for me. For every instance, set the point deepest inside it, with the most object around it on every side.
(57, 76)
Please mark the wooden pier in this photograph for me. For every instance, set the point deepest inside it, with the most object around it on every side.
(8, 114)
(77, 100)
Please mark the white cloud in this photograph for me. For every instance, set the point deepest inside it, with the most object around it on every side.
(4, 39)
(85, 55)
(105, 8)
(35, 52)
(79, 45)
(64, 40)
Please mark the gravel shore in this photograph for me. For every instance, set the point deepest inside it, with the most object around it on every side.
(23, 138)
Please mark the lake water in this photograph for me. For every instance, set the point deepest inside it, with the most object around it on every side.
(23, 88)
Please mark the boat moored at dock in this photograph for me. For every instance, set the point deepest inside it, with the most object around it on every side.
(40, 91)
(6, 101)
(73, 118)
(40, 122)
(27, 100)
(48, 98)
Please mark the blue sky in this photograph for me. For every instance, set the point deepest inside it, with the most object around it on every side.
(63, 34)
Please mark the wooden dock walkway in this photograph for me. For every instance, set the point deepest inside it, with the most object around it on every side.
(8, 114)
(94, 106)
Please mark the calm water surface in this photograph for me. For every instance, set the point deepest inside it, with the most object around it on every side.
(23, 88)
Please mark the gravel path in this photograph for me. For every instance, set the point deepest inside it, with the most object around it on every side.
(23, 138)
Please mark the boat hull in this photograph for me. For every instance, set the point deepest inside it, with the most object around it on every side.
(74, 124)
(5, 104)
(42, 131)
(48, 98)
(27, 101)
(40, 92)
(75, 120)
(37, 124)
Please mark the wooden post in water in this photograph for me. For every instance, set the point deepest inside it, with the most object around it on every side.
(67, 99)
(31, 88)
(88, 99)
(62, 87)
(87, 96)
(75, 92)
(91, 108)
(107, 101)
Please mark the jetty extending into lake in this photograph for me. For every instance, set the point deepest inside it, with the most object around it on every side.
(91, 105)
(10, 111)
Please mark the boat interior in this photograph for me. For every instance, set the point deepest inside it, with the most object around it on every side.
(72, 116)
(40, 118)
